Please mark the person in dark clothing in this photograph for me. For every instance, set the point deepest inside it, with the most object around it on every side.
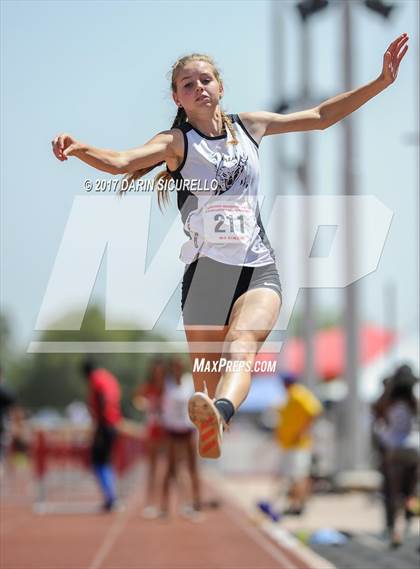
(397, 433)
(104, 405)
(7, 400)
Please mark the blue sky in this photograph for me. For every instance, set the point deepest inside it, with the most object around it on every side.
(99, 70)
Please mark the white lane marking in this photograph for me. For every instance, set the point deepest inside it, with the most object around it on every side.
(114, 531)
(288, 540)
(261, 540)
(231, 509)
(302, 553)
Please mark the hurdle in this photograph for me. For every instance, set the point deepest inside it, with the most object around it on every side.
(61, 467)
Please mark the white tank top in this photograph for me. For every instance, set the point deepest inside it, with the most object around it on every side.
(218, 198)
(175, 403)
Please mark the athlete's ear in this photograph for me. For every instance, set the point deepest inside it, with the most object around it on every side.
(175, 98)
(221, 90)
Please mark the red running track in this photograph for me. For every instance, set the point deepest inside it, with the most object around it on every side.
(224, 539)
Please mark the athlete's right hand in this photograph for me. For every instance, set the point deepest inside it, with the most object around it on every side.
(64, 145)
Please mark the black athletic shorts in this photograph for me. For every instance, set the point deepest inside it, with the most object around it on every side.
(103, 444)
(210, 289)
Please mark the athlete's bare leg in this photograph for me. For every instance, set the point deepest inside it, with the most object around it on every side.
(202, 340)
(193, 471)
(152, 456)
(170, 474)
(253, 316)
(299, 492)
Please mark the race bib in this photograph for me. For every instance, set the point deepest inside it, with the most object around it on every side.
(227, 222)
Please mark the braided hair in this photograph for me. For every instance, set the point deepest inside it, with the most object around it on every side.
(179, 120)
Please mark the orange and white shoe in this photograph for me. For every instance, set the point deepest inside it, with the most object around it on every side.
(209, 423)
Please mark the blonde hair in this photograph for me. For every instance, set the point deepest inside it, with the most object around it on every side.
(180, 119)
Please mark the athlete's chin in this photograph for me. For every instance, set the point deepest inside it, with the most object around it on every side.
(207, 106)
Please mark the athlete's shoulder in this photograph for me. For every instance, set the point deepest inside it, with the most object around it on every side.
(176, 143)
(250, 126)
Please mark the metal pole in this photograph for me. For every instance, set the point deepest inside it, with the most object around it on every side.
(416, 188)
(278, 79)
(390, 309)
(309, 327)
(279, 187)
(353, 449)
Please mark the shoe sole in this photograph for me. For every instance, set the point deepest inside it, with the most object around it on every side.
(206, 419)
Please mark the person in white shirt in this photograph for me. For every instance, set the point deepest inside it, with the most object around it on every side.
(180, 433)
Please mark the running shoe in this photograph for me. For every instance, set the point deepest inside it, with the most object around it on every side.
(265, 508)
(112, 505)
(190, 513)
(209, 423)
(294, 511)
(150, 512)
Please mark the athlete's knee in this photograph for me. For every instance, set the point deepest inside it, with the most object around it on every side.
(239, 344)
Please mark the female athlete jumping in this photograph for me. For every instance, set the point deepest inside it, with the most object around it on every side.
(231, 293)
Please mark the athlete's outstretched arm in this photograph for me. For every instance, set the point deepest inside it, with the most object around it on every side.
(339, 107)
(156, 150)
(333, 110)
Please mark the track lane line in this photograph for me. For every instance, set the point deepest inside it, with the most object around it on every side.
(260, 539)
(115, 530)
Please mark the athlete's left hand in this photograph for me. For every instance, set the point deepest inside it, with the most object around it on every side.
(393, 57)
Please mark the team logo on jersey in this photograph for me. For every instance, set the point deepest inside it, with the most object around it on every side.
(230, 169)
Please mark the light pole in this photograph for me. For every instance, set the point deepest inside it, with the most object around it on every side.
(306, 10)
(353, 456)
(353, 426)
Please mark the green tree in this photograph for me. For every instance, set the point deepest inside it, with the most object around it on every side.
(323, 320)
(54, 379)
(6, 350)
